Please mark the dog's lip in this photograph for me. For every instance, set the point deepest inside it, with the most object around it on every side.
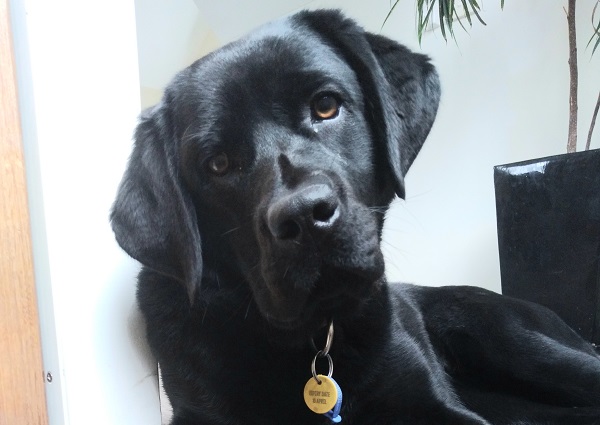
(326, 301)
(286, 324)
(316, 312)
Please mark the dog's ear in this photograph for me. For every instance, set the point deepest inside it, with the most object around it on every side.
(412, 85)
(401, 88)
(153, 216)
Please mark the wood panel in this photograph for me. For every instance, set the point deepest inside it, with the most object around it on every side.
(22, 398)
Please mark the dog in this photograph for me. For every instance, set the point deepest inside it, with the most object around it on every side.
(254, 199)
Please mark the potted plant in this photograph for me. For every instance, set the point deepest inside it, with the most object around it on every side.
(548, 209)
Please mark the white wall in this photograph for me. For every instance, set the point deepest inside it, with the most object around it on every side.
(79, 99)
(505, 99)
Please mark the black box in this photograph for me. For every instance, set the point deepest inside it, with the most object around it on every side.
(548, 215)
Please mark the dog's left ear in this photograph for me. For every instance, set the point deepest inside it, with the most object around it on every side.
(153, 216)
(401, 88)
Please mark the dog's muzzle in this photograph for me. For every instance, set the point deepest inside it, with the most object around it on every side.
(310, 210)
(319, 251)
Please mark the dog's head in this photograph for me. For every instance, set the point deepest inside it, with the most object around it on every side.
(270, 162)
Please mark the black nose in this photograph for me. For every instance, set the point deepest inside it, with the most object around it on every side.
(309, 209)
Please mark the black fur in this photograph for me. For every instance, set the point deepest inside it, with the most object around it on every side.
(245, 265)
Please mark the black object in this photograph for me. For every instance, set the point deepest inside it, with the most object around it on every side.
(548, 213)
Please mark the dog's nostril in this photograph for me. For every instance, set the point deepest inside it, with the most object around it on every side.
(288, 229)
(323, 212)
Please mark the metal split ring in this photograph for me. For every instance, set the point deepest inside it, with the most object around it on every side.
(328, 341)
(324, 353)
(313, 367)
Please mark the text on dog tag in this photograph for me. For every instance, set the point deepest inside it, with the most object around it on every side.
(320, 398)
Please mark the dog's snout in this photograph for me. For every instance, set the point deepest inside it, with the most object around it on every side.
(313, 208)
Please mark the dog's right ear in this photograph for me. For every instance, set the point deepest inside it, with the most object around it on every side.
(153, 216)
(401, 88)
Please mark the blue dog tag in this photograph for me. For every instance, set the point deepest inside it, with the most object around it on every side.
(334, 414)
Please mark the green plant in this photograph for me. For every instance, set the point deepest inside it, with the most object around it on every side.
(448, 14)
(596, 26)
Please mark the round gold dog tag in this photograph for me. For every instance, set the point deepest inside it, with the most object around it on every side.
(320, 398)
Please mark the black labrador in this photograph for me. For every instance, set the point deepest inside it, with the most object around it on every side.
(255, 198)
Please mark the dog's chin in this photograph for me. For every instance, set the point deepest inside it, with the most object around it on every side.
(337, 294)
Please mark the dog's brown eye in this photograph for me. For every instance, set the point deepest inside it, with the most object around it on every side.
(325, 107)
(218, 164)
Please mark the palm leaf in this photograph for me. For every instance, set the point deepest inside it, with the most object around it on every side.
(447, 14)
(467, 14)
(596, 27)
(475, 7)
(441, 18)
(423, 21)
(390, 12)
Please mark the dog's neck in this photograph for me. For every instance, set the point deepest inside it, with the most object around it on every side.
(360, 329)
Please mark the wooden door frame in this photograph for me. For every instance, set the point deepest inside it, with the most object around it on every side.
(22, 381)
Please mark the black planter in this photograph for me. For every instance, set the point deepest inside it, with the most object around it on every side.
(548, 213)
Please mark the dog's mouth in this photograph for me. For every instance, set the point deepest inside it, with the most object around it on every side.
(336, 293)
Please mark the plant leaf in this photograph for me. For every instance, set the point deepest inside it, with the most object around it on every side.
(390, 12)
(423, 22)
(596, 34)
(460, 21)
(596, 45)
(467, 14)
(440, 15)
(475, 7)
(450, 11)
(447, 13)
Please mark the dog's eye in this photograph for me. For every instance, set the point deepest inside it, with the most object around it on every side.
(325, 107)
(218, 164)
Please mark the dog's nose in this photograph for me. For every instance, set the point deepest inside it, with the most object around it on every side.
(313, 208)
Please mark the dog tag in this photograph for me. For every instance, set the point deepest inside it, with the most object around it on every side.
(324, 398)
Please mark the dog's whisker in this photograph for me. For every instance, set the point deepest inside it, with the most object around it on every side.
(394, 253)
(394, 264)
(416, 196)
(185, 136)
(237, 309)
(398, 230)
(378, 210)
(200, 133)
(388, 245)
(231, 231)
(248, 308)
